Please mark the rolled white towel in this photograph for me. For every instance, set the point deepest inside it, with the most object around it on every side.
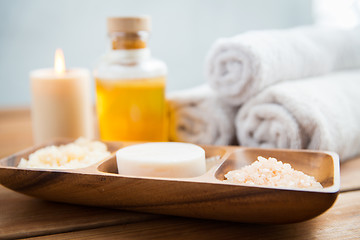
(321, 113)
(197, 116)
(241, 66)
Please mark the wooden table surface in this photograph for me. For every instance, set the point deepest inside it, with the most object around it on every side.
(25, 217)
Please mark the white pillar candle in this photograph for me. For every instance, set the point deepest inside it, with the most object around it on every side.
(61, 102)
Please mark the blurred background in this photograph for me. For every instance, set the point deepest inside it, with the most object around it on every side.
(183, 32)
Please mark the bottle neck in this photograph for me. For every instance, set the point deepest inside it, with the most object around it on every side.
(129, 40)
(128, 47)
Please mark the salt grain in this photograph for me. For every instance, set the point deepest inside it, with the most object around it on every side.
(79, 154)
(273, 173)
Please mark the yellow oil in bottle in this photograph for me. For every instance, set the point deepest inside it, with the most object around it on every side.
(130, 85)
(132, 110)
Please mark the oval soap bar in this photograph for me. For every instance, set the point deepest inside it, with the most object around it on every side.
(162, 159)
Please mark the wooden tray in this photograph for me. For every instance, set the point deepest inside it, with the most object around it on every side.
(206, 196)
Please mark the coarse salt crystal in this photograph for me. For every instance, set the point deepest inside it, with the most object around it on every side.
(273, 173)
(79, 154)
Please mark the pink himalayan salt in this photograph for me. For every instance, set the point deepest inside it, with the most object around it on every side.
(272, 173)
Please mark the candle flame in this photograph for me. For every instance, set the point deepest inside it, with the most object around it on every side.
(59, 63)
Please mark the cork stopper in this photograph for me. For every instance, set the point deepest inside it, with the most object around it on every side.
(128, 24)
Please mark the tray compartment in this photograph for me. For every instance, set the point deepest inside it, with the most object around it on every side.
(13, 160)
(214, 156)
(317, 164)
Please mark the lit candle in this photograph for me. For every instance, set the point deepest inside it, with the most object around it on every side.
(61, 102)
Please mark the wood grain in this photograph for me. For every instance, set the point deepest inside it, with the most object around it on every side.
(340, 222)
(22, 216)
(350, 175)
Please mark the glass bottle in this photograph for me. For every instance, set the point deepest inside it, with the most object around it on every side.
(130, 85)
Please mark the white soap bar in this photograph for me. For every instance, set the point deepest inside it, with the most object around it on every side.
(162, 159)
